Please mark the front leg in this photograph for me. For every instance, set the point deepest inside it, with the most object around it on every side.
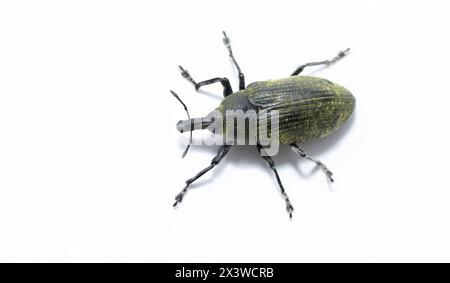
(221, 152)
(227, 90)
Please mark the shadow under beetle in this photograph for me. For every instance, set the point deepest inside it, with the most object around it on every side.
(309, 108)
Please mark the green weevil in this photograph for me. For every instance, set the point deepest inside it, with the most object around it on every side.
(308, 108)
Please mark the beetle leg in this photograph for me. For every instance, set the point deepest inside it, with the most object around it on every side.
(226, 41)
(227, 90)
(303, 154)
(269, 160)
(338, 57)
(221, 152)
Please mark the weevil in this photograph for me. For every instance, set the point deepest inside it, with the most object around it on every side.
(308, 108)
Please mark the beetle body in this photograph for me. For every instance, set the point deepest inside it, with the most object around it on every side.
(309, 108)
(300, 108)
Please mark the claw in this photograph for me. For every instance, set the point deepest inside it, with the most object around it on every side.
(185, 74)
(289, 209)
(226, 39)
(338, 57)
(331, 179)
(327, 172)
(178, 199)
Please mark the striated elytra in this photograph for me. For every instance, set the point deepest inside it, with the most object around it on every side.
(307, 108)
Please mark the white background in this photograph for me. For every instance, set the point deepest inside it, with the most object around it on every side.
(90, 157)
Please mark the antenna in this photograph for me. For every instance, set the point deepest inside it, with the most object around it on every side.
(189, 117)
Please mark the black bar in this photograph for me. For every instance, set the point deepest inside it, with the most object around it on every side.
(222, 272)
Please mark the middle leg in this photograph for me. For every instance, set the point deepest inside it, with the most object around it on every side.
(269, 160)
(226, 41)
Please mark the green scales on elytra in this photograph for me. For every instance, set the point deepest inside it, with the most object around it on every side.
(308, 108)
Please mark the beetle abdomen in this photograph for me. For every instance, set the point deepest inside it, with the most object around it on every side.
(309, 108)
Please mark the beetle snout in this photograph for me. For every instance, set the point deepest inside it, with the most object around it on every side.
(180, 126)
(186, 125)
(194, 124)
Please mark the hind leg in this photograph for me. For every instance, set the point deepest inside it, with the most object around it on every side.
(319, 163)
(338, 57)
